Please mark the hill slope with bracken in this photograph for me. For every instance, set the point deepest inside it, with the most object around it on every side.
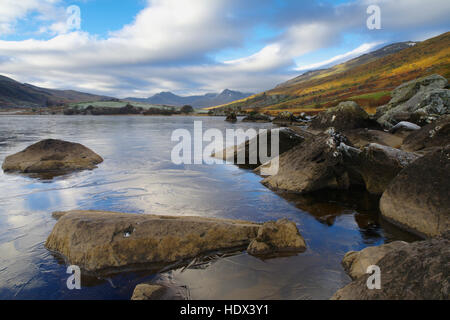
(368, 80)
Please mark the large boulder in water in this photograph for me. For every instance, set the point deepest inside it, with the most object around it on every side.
(419, 101)
(277, 237)
(415, 271)
(345, 116)
(435, 134)
(313, 165)
(378, 165)
(418, 198)
(102, 242)
(52, 156)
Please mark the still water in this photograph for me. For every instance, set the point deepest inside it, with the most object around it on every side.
(137, 176)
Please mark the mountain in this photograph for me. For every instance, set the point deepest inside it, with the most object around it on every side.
(367, 80)
(365, 58)
(16, 94)
(198, 101)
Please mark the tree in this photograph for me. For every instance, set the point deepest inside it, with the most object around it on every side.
(187, 109)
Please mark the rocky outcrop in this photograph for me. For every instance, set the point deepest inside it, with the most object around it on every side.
(420, 101)
(313, 165)
(435, 134)
(418, 198)
(407, 90)
(231, 117)
(286, 118)
(276, 238)
(146, 291)
(257, 117)
(100, 241)
(357, 262)
(378, 165)
(52, 156)
(347, 115)
(415, 271)
(288, 139)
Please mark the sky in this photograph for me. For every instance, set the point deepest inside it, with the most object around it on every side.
(137, 48)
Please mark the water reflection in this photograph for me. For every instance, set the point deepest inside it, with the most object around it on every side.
(137, 176)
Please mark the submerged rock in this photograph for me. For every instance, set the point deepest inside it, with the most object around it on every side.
(436, 134)
(415, 271)
(277, 237)
(418, 198)
(52, 156)
(345, 116)
(99, 241)
(378, 165)
(257, 117)
(145, 291)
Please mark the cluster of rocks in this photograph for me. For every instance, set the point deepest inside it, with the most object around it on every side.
(284, 118)
(401, 154)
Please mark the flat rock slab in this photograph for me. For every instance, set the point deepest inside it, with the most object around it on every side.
(99, 241)
(52, 156)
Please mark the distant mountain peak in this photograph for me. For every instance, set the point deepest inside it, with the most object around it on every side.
(197, 101)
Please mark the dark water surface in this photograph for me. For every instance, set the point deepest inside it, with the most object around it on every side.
(138, 176)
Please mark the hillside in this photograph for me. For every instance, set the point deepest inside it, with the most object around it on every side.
(368, 79)
(198, 101)
(16, 94)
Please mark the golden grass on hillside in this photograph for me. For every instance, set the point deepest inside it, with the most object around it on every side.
(368, 84)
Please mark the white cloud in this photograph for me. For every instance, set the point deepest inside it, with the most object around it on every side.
(166, 46)
(12, 11)
(364, 48)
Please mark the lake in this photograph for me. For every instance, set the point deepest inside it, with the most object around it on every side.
(138, 176)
